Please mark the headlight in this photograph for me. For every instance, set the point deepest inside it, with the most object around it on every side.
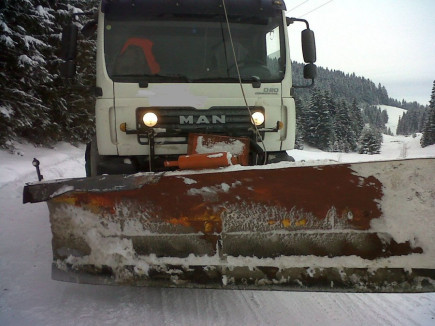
(258, 118)
(150, 119)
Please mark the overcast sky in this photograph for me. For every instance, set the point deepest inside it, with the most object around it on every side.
(391, 42)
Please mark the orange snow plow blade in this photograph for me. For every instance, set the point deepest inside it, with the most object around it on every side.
(363, 227)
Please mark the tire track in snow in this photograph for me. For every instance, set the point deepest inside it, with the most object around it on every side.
(403, 150)
(296, 308)
(334, 309)
(401, 308)
(254, 307)
(235, 308)
(182, 306)
(201, 307)
(382, 309)
(374, 314)
(332, 306)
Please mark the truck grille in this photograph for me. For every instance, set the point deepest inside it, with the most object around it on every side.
(174, 124)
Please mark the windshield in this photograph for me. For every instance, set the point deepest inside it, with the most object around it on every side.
(192, 50)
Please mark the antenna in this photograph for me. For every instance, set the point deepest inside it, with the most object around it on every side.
(316, 8)
(299, 5)
(240, 82)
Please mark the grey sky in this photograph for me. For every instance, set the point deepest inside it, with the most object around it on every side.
(391, 42)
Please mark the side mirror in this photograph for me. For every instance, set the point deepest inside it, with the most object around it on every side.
(308, 46)
(69, 42)
(308, 51)
(69, 51)
(68, 69)
(310, 71)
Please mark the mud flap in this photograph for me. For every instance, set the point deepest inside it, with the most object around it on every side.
(364, 227)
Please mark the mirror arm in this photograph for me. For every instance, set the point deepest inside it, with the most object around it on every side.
(305, 86)
(291, 20)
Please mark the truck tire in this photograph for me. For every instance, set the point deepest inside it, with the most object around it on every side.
(97, 164)
(92, 158)
(276, 157)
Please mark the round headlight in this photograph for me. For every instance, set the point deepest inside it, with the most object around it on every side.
(150, 119)
(258, 118)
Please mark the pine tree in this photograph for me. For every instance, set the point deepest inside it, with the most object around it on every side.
(399, 126)
(428, 137)
(356, 119)
(382, 94)
(389, 132)
(376, 118)
(299, 139)
(331, 103)
(345, 140)
(77, 107)
(25, 79)
(318, 122)
(370, 141)
(411, 122)
(35, 103)
(384, 117)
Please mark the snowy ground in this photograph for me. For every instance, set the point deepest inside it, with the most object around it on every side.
(29, 297)
(394, 113)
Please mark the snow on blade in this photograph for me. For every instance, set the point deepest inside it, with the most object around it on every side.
(413, 221)
(62, 190)
(235, 146)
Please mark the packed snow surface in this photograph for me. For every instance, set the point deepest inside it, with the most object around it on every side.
(28, 296)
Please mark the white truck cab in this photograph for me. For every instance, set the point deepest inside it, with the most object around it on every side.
(166, 69)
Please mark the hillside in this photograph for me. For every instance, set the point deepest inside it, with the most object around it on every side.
(393, 116)
(39, 106)
(347, 86)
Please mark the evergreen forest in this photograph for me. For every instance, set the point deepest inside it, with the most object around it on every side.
(36, 104)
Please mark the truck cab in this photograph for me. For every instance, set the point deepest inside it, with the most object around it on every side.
(169, 69)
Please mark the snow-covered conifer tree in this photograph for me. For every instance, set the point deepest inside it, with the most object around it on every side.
(428, 137)
(35, 103)
(76, 100)
(345, 136)
(356, 119)
(24, 79)
(318, 122)
(370, 141)
(299, 141)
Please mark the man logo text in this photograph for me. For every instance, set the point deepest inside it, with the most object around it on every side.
(202, 119)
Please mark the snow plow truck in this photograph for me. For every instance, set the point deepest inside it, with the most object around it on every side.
(189, 183)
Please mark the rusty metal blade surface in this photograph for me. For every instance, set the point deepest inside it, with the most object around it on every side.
(360, 227)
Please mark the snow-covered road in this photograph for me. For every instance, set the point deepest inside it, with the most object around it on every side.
(29, 297)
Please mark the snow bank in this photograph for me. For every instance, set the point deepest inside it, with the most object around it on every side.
(393, 147)
(57, 162)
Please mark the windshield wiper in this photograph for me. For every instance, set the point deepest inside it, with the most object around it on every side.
(216, 79)
(256, 82)
(144, 79)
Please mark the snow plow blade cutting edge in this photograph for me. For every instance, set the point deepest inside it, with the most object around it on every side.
(362, 227)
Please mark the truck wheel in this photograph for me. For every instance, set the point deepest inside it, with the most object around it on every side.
(92, 158)
(282, 156)
(97, 164)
